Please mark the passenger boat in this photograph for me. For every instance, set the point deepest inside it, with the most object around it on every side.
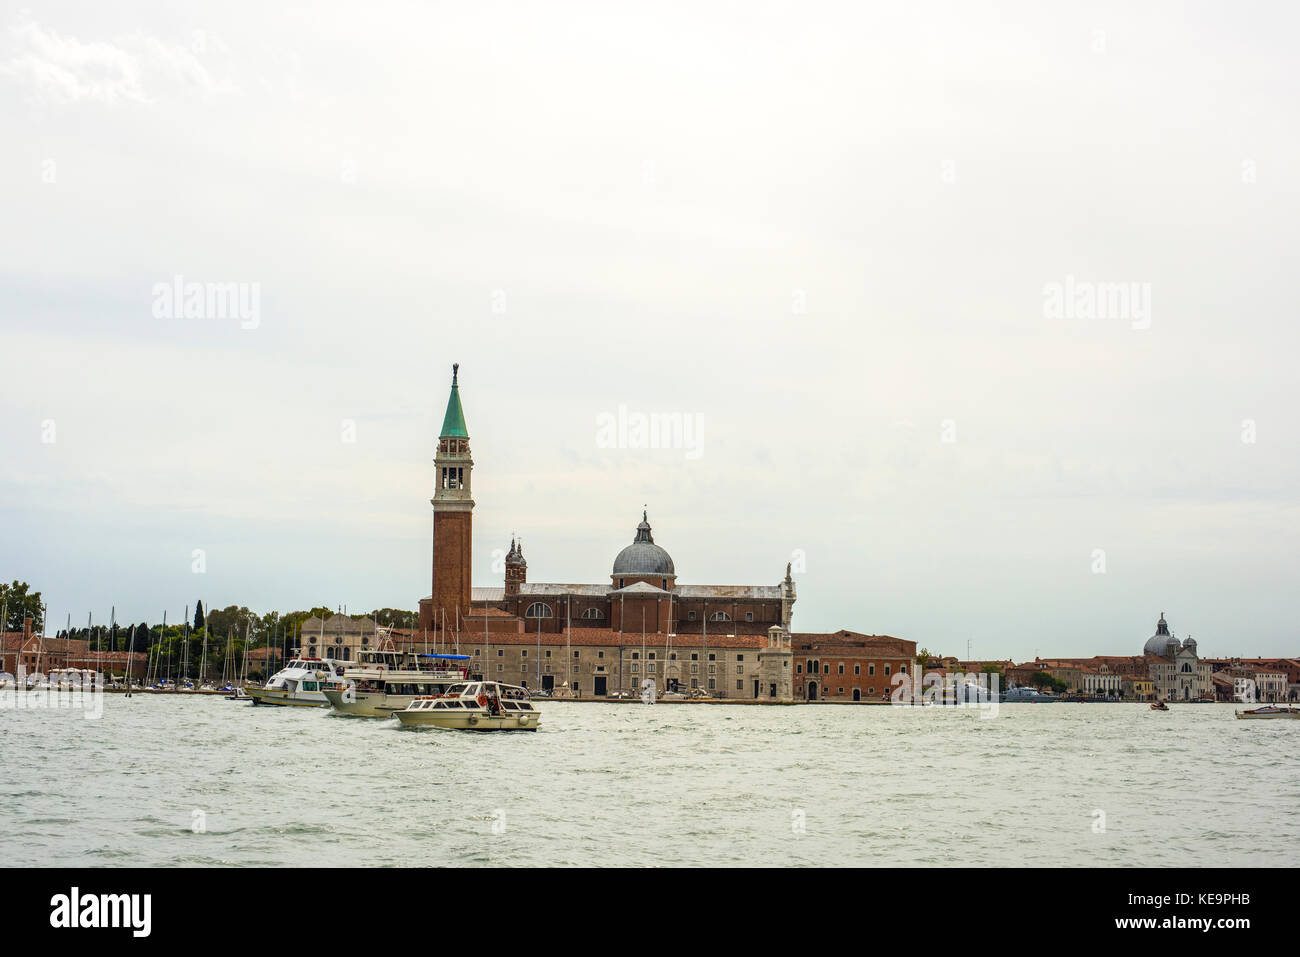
(1159, 706)
(1269, 711)
(383, 682)
(297, 684)
(474, 706)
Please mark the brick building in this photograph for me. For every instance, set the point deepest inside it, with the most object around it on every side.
(601, 637)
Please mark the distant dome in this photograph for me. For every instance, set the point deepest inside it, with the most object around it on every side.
(643, 556)
(1162, 642)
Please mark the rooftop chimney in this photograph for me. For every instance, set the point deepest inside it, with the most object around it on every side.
(27, 627)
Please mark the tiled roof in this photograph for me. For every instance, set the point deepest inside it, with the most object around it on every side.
(609, 638)
(761, 592)
(540, 589)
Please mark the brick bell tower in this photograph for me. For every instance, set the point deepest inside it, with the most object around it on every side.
(453, 511)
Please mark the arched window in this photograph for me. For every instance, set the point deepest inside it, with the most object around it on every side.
(719, 616)
(593, 613)
(538, 610)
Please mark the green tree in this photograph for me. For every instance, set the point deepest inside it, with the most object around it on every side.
(20, 602)
(198, 615)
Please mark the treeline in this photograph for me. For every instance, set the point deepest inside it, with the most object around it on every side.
(177, 650)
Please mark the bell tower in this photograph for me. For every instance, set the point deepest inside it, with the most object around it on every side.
(453, 510)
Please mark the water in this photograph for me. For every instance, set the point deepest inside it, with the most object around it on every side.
(660, 785)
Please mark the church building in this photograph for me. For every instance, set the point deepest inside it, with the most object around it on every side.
(602, 638)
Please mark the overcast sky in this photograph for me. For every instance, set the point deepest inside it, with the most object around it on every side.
(828, 237)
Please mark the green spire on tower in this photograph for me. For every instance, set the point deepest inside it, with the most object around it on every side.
(453, 423)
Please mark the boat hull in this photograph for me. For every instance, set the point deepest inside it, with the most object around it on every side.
(469, 720)
(284, 698)
(368, 704)
(1272, 715)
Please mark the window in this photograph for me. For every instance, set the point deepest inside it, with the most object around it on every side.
(749, 616)
(740, 669)
(719, 616)
(740, 657)
(650, 668)
(635, 667)
(691, 615)
(523, 652)
(871, 668)
(857, 669)
(501, 652)
(593, 614)
(841, 667)
(538, 610)
(575, 654)
(713, 657)
(548, 652)
(886, 671)
(651, 656)
(695, 669)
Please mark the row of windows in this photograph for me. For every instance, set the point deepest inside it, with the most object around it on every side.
(542, 610)
(816, 667)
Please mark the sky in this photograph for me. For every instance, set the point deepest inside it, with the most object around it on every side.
(982, 315)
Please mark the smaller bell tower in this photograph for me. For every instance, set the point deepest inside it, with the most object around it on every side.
(516, 568)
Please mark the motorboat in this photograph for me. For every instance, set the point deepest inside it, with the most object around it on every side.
(1159, 706)
(383, 682)
(1023, 693)
(297, 684)
(474, 706)
(1269, 711)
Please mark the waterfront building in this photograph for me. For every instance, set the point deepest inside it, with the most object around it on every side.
(1178, 673)
(338, 636)
(1098, 681)
(36, 653)
(1137, 689)
(601, 637)
(848, 666)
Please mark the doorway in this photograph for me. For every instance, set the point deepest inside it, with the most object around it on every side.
(812, 691)
(600, 682)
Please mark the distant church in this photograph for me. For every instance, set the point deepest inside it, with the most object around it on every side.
(640, 630)
(642, 592)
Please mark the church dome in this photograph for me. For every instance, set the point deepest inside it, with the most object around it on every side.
(643, 556)
(1162, 642)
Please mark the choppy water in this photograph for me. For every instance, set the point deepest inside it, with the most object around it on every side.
(661, 785)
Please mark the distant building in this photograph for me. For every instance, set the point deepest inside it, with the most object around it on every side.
(1177, 672)
(338, 636)
(598, 638)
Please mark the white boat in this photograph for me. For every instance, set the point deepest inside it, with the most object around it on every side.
(1015, 695)
(474, 706)
(383, 682)
(1269, 711)
(298, 684)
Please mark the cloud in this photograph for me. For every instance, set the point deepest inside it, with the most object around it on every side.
(59, 70)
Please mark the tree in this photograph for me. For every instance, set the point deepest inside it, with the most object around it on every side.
(198, 615)
(20, 602)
